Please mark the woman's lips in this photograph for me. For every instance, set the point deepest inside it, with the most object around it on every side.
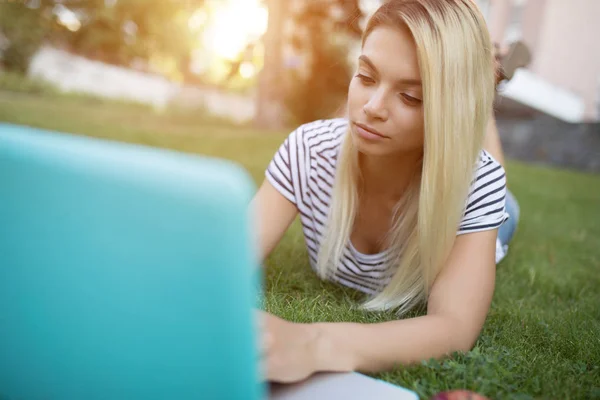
(368, 133)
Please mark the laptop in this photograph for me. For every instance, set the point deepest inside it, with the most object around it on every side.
(129, 272)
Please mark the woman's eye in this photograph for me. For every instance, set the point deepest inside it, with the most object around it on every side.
(408, 99)
(365, 79)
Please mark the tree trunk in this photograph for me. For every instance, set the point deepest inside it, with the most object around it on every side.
(269, 101)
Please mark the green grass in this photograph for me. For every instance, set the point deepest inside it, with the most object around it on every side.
(542, 336)
(11, 81)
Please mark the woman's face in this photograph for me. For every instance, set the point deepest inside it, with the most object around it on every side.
(385, 98)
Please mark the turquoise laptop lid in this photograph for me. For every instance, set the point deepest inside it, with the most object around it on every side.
(126, 272)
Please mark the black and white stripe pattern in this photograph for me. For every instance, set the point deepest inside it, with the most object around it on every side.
(303, 171)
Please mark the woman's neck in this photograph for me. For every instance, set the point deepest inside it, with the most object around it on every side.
(387, 177)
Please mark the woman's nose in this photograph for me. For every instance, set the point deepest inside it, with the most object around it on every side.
(376, 107)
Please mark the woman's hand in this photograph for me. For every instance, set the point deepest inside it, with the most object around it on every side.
(289, 349)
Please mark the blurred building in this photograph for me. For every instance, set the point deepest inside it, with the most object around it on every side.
(563, 78)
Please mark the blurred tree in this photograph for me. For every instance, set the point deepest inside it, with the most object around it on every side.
(322, 34)
(349, 16)
(23, 30)
(270, 98)
(116, 32)
(153, 31)
(325, 30)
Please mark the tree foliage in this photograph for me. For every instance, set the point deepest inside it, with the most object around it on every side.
(116, 32)
(23, 30)
(134, 29)
(325, 31)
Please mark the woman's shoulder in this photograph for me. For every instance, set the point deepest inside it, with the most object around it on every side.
(487, 165)
(485, 208)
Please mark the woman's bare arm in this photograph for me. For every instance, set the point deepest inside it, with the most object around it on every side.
(492, 143)
(457, 308)
(273, 214)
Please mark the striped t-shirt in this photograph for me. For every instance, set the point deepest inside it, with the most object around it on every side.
(303, 171)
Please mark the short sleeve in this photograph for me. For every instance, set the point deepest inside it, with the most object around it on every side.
(280, 171)
(485, 207)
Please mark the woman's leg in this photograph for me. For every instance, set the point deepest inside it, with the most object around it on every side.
(508, 61)
(492, 143)
(516, 56)
(507, 230)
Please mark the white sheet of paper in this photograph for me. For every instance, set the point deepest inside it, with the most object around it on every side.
(345, 386)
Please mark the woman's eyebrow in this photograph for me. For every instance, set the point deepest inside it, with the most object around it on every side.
(367, 61)
(400, 82)
(408, 82)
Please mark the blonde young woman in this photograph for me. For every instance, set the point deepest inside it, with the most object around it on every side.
(399, 200)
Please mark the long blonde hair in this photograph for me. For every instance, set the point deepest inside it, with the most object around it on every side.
(457, 72)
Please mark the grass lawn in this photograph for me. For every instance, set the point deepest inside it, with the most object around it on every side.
(542, 336)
